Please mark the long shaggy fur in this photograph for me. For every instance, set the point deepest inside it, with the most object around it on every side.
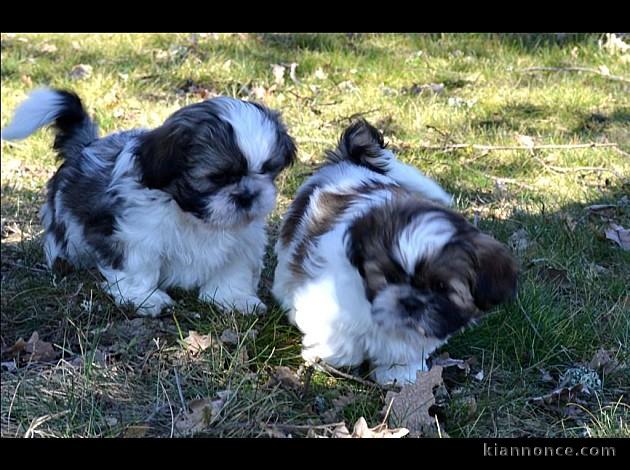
(373, 265)
(181, 205)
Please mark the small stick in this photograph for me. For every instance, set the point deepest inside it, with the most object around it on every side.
(575, 69)
(179, 390)
(307, 381)
(305, 426)
(515, 147)
(332, 370)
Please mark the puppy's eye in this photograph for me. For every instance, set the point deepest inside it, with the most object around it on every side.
(270, 167)
(223, 179)
(440, 287)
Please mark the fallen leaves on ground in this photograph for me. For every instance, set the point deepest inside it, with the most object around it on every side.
(338, 404)
(278, 73)
(519, 241)
(361, 430)
(231, 337)
(557, 277)
(285, 378)
(80, 72)
(619, 235)
(136, 432)
(558, 397)
(203, 91)
(410, 406)
(604, 360)
(202, 412)
(444, 360)
(33, 350)
(196, 343)
(429, 88)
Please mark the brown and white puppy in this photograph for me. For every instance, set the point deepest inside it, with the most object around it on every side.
(372, 265)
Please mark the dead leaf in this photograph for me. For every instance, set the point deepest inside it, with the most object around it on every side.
(111, 421)
(361, 430)
(278, 73)
(292, 76)
(285, 378)
(526, 141)
(229, 337)
(546, 376)
(410, 406)
(557, 277)
(604, 360)
(81, 71)
(519, 241)
(479, 375)
(202, 413)
(39, 350)
(9, 366)
(275, 433)
(320, 74)
(559, 397)
(619, 235)
(430, 88)
(258, 92)
(614, 44)
(600, 207)
(196, 343)
(18, 348)
(331, 415)
(28, 82)
(49, 48)
(135, 432)
(445, 361)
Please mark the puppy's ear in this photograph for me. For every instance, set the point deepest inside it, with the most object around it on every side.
(362, 144)
(497, 272)
(163, 153)
(287, 147)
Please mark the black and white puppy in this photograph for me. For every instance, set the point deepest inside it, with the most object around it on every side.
(184, 204)
(373, 266)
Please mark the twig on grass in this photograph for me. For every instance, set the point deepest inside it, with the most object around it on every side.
(179, 390)
(330, 369)
(489, 148)
(602, 73)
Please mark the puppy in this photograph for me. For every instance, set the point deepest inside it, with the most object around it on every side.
(182, 205)
(373, 266)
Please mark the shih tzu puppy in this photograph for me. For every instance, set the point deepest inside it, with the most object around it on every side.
(184, 204)
(372, 265)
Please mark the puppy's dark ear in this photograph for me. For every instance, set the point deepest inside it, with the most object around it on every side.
(163, 153)
(362, 144)
(497, 272)
(287, 147)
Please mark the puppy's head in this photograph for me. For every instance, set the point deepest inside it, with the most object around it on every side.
(427, 269)
(218, 159)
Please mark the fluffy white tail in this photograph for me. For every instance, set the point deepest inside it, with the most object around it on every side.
(74, 128)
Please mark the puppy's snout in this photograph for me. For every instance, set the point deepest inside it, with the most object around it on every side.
(411, 304)
(245, 198)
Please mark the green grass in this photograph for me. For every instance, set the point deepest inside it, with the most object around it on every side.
(558, 320)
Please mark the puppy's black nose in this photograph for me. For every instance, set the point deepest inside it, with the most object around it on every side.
(411, 304)
(245, 198)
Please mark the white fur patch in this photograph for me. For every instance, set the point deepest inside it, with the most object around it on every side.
(40, 109)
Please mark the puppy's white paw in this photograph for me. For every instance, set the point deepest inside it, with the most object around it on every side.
(400, 375)
(154, 304)
(245, 304)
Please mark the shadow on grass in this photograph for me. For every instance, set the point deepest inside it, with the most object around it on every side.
(570, 303)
